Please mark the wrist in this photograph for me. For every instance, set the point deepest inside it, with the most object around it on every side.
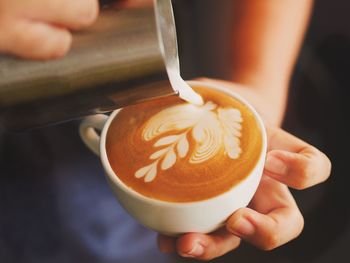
(271, 93)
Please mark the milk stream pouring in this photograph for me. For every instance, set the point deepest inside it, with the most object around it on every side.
(126, 57)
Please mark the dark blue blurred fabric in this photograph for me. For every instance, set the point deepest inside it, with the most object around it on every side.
(55, 204)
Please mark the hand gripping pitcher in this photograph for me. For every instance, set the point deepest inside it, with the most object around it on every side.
(126, 57)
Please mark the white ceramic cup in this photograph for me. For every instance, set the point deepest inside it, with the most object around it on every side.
(173, 218)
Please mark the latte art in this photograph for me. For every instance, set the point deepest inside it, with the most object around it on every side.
(170, 150)
(211, 127)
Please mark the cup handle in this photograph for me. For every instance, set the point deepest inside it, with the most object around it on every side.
(88, 134)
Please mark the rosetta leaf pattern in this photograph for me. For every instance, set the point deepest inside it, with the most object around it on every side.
(183, 147)
(211, 127)
(169, 160)
(158, 154)
(149, 172)
(166, 140)
(231, 120)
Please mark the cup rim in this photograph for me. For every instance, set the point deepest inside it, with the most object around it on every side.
(116, 180)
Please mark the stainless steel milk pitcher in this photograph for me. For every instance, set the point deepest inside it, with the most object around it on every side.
(122, 59)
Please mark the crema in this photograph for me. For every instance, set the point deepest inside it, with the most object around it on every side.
(171, 150)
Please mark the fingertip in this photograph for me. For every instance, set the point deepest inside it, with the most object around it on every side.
(299, 223)
(55, 45)
(88, 14)
(62, 42)
(328, 167)
(325, 164)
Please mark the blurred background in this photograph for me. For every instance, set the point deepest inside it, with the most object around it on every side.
(55, 205)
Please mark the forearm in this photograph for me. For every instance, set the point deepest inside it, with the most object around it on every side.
(266, 39)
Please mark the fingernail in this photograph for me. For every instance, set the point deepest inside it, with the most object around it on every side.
(275, 165)
(242, 227)
(196, 251)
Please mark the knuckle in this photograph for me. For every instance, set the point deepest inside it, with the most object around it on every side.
(304, 178)
(316, 168)
(312, 170)
(301, 185)
(272, 241)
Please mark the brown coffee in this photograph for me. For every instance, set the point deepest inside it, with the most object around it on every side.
(170, 150)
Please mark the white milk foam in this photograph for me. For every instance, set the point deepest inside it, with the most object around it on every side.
(185, 91)
(212, 128)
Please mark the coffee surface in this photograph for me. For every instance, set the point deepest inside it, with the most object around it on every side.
(170, 150)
